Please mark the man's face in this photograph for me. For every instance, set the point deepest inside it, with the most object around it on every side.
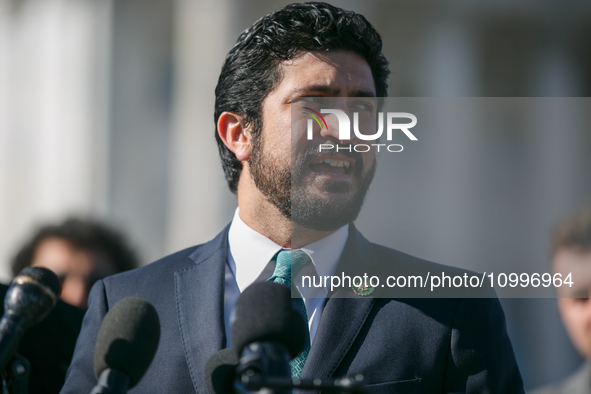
(575, 304)
(320, 191)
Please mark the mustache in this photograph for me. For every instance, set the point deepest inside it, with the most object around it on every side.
(312, 152)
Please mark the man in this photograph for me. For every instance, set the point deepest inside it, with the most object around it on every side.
(80, 252)
(290, 56)
(571, 253)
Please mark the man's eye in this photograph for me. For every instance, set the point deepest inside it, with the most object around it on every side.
(307, 100)
(579, 295)
(362, 107)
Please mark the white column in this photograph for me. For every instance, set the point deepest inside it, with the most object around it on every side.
(52, 116)
(200, 203)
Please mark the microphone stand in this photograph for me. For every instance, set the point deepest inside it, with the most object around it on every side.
(15, 379)
(264, 369)
(249, 383)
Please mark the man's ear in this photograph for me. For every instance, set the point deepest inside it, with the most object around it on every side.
(234, 135)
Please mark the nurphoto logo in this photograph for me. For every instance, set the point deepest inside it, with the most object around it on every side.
(392, 126)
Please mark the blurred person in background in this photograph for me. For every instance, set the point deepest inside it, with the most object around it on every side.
(80, 252)
(571, 252)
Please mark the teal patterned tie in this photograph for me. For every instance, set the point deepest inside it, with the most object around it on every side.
(289, 264)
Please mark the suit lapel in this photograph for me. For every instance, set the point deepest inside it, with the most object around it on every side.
(344, 313)
(200, 306)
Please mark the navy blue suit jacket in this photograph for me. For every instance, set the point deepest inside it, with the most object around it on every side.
(446, 345)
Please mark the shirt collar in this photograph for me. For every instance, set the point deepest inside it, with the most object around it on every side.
(326, 252)
(250, 252)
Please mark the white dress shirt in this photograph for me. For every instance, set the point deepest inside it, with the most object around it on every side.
(249, 261)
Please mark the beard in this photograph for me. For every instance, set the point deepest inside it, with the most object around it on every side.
(285, 188)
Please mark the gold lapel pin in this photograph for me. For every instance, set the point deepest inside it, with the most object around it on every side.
(364, 290)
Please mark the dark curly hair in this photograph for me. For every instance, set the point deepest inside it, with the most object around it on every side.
(574, 232)
(252, 69)
(82, 234)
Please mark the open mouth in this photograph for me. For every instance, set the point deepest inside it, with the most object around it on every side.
(333, 166)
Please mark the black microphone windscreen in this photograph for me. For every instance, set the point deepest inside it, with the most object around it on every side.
(266, 312)
(44, 277)
(127, 339)
(219, 372)
(32, 294)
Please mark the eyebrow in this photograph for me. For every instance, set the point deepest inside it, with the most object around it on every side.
(330, 91)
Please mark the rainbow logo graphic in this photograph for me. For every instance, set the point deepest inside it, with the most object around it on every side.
(315, 115)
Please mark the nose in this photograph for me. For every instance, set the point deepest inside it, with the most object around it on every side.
(338, 126)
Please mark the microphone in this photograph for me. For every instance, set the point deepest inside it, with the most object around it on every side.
(125, 346)
(220, 372)
(267, 331)
(265, 312)
(32, 294)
